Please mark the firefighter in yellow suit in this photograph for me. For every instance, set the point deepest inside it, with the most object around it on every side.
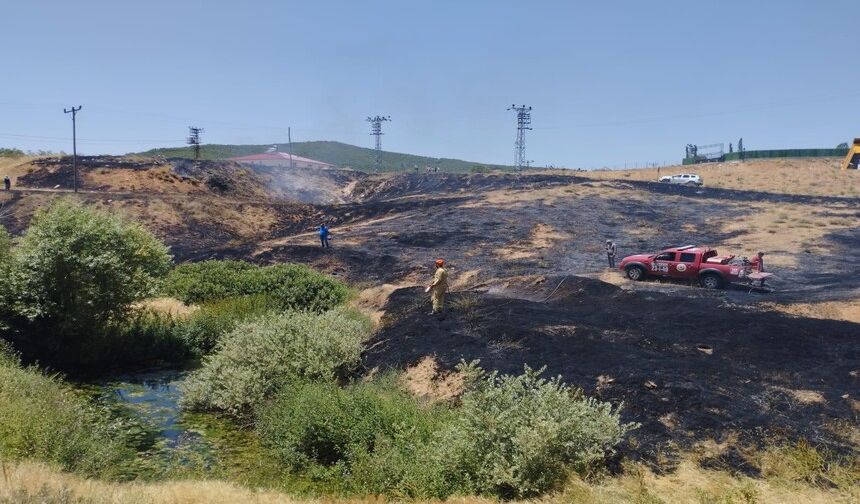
(439, 287)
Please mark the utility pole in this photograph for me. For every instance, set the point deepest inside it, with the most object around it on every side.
(524, 122)
(194, 140)
(74, 111)
(290, 142)
(376, 130)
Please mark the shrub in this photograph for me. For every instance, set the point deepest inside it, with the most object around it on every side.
(43, 419)
(259, 355)
(11, 152)
(140, 337)
(517, 436)
(5, 279)
(368, 438)
(513, 436)
(205, 326)
(76, 268)
(290, 286)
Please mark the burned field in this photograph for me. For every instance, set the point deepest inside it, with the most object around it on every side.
(530, 285)
(687, 368)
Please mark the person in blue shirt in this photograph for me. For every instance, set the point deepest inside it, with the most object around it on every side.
(324, 232)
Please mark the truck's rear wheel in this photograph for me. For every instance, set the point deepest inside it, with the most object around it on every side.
(635, 273)
(711, 281)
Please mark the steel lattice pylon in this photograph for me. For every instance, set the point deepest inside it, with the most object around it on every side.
(376, 130)
(524, 122)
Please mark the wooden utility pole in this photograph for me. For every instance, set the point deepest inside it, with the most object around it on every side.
(74, 111)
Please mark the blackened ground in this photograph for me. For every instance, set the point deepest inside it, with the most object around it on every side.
(407, 184)
(688, 368)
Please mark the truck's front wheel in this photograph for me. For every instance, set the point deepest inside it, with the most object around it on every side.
(635, 273)
(711, 281)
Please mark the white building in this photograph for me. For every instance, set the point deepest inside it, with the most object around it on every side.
(283, 160)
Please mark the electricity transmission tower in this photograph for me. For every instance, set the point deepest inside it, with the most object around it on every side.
(524, 122)
(376, 130)
(194, 140)
(74, 111)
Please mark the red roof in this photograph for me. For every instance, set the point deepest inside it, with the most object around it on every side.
(276, 156)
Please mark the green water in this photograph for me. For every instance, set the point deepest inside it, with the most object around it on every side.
(178, 444)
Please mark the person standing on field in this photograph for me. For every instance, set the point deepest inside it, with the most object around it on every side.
(324, 232)
(438, 288)
(7, 183)
(611, 249)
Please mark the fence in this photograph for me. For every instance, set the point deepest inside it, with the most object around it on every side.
(778, 153)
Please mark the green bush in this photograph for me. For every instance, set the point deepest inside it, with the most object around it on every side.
(259, 355)
(141, 337)
(11, 152)
(367, 438)
(202, 330)
(512, 436)
(5, 279)
(76, 268)
(43, 419)
(290, 286)
(518, 436)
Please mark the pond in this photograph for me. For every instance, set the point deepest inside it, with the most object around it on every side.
(183, 443)
(151, 397)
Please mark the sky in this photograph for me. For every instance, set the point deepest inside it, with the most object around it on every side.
(612, 84)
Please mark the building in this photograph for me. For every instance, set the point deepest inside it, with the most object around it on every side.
(282, 160)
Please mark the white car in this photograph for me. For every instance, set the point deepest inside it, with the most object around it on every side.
(689, 179)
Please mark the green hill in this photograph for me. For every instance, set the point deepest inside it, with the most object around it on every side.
(336, 153)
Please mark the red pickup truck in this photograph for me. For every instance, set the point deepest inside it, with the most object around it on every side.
(692, 263)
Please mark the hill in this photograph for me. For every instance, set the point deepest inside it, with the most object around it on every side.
(336, 153)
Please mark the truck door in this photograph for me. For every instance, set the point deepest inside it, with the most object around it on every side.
(687, 265)
(663, 264)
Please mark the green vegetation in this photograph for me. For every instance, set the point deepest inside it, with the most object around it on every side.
(286, 286)
(41, 418)
(10, 152)
(74, 276)
(336, 153)
(75, 268)
(202, 329)
(366, 438)
(519, 436)
(512, 436)
(250, 363)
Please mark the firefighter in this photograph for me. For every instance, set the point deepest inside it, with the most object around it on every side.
(7, 183)
(758, 262)
(324, 233)
(611, 249)
(438, 288)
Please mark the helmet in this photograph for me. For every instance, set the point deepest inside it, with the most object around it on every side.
(440, 263)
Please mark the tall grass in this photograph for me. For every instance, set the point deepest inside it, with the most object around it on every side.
(41, 418)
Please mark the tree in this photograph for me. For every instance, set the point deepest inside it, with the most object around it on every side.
(76, 268)
(843, 145)
(5, 284)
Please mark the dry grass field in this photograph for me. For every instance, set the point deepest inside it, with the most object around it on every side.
(814, 176)
(31, 483)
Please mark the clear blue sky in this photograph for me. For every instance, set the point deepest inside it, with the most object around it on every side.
(610, 82)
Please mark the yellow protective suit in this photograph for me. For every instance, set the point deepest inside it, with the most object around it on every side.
(440, 287)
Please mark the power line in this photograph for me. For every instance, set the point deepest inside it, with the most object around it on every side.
(524, 122)
(376, 130)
